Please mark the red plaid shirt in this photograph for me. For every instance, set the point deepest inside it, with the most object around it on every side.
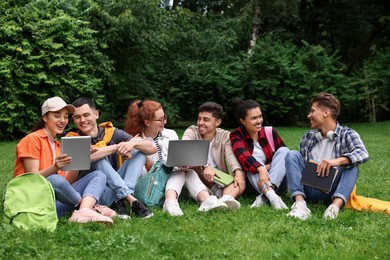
(243, 147)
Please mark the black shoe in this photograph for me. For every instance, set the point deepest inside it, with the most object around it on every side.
(120, 207)
(141, 210)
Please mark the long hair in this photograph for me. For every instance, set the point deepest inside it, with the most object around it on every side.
(39, 124)
(138, 112)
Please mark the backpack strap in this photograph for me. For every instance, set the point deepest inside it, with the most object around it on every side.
(72, 134)
(108, 133)
(270, 138)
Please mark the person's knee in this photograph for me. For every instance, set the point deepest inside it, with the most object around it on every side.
(139, 156)
(100, 164)
(56, 180)
(292, 155)
(283, 150)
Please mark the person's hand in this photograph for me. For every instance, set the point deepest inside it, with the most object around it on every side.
(208, 174)
(268, 167)
(62, 160)
(263, 178)
(93, 150)
(239, 181)
(323, 168)
(124, 148)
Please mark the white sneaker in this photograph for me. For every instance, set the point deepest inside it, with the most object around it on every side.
(299, 210)
(231, 202)
(173, 208)
(277, 203)
(259, 201)
(212, 203)
(331, 212)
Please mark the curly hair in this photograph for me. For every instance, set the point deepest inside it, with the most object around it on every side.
(138, 112)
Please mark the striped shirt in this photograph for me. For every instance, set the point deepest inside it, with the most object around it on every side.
(156, 139)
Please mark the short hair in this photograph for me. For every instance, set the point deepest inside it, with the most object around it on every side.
(214, 108)
(84, 100)
(242, 107)
(326, 100)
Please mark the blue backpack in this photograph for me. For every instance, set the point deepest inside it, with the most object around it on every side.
(29, 203)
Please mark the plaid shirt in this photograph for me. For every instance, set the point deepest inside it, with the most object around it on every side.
(243, 147)
(347, 143)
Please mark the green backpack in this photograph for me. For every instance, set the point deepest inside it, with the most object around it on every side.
(150, 189)
(29, 203)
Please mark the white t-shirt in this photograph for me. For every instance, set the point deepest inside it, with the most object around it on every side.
(258, 152)
(324, 150)
(210, 159)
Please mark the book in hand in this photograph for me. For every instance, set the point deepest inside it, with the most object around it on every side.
(224, 180)
(310, 177)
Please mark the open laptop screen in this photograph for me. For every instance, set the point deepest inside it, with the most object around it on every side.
(188, 152)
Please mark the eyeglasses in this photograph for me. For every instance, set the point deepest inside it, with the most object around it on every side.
(162, 119)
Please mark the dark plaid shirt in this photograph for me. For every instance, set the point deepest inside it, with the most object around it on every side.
(243, 148)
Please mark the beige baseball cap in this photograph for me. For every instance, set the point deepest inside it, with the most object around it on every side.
(56, 104)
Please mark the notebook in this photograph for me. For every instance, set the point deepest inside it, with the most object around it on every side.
(79, 148)
(224, 180)
(187, 152)
(310, 178)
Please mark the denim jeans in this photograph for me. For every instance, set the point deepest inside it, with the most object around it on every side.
(342, 186)
(122, 183)
(277, 172)
(68, 195)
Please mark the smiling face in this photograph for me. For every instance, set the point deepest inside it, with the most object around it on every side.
(55, 122)
(156, 124)
(85, 119)
(317, 116)
(253, 120)
(207, 124)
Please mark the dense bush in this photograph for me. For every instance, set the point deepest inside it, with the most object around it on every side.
(44, 52)
(117, 50)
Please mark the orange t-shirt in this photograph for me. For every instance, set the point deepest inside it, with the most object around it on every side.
(35, 145)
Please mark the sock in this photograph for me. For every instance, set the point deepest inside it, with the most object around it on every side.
(271, 195)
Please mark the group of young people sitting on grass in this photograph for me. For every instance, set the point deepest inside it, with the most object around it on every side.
(106, 191)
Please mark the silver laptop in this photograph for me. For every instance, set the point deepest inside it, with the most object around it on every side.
(188, 152)
(79, 148)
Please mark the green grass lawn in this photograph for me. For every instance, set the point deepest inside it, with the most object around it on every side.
(261, 233)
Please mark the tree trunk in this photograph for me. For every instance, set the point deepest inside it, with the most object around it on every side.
(255, 25)
(175, 3)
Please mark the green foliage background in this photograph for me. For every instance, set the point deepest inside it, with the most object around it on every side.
(192, 52)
